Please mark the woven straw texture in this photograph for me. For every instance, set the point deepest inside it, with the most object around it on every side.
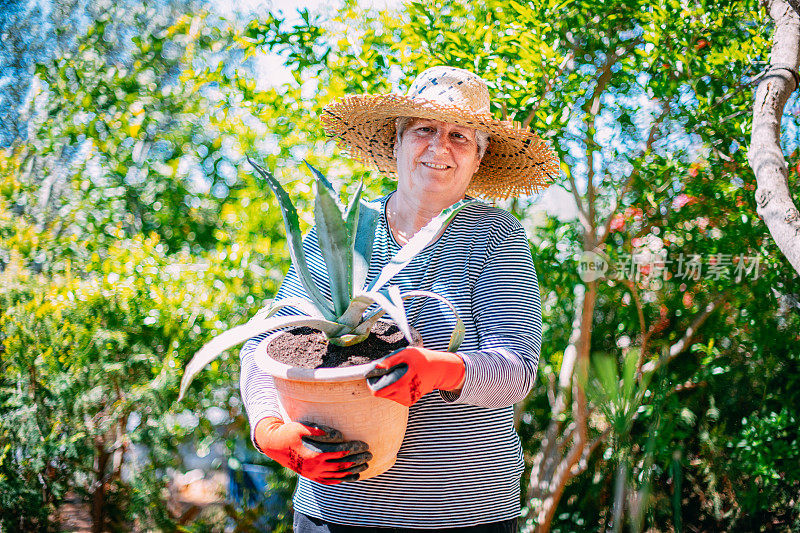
(517, 161)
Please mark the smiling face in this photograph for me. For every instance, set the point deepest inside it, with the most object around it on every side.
(436, 160)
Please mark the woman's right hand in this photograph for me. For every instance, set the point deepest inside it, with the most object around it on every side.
(314, 451)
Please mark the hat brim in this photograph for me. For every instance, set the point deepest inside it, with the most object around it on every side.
(517, 161)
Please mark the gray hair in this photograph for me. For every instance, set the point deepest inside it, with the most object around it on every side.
(481, 137)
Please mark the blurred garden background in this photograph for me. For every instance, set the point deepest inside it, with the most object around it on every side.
(132, 231)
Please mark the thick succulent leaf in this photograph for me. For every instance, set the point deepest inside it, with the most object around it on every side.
(239, 334)
(366, 326)
(352, 317)
(335, 246)
(320, 177)
(368, 217)
(392, 302)
(417, 243)
(295, 240)
(301, 304)
(349, 339)
(351, 214)
(456, 337)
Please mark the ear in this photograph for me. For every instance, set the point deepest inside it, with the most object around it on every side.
(478, 160)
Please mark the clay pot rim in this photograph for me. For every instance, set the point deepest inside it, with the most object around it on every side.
(296, 373)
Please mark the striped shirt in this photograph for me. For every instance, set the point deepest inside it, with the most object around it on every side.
(461, 460)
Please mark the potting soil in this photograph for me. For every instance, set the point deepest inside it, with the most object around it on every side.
(309, 348)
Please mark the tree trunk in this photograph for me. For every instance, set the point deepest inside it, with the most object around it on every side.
(557, 461)
(773, 198)
(120, 448)
(99, 492)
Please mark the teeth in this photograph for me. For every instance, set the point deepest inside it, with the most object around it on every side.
(435, 166)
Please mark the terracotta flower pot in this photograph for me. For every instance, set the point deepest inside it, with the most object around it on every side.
(339, 398)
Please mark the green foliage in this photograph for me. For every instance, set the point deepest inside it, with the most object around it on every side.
(95, 361)
(767, 457)
(618, 396)
(294, 235)
(129, 215)
(118, 257)
(127, 116)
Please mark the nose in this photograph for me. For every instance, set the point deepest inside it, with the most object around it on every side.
(440, 142)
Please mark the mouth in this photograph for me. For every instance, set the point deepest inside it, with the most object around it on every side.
(435, 166)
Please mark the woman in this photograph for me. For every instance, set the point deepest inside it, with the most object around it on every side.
(460, 463)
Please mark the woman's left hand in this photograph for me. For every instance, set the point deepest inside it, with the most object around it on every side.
(408, 374)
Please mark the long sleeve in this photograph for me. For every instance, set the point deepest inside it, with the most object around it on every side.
(507, 311)
(258, 392)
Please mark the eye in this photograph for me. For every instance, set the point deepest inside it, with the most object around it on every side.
(461, 137)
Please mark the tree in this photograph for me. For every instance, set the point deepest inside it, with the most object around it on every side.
(35, 32)
(116, 266)
(774, 197)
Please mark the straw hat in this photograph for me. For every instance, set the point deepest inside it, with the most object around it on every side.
(516, 162)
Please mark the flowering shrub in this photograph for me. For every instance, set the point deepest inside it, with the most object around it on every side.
(95, 358)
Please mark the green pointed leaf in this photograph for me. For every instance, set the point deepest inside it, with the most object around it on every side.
(351, 214)
(295, 240)
(368, 217)
(417, 243)
(320, 177)
(349, 339)
(334, 244)
(301, 304)
(240, 334)
(366, 326)
(392, 302)
(351, 224)
(629, 373)
(606, 370)
(457, 335)
(355, 311)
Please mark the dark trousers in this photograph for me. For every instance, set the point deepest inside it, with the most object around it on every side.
(309, 524)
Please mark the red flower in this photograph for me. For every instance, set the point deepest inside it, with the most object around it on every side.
(617, 222)
(687, 300)
(682, 200)
(633, 212)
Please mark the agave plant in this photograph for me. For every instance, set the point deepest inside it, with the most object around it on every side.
(345, 235)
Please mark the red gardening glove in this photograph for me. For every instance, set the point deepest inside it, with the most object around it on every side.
(408, 374)
(314, 451)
